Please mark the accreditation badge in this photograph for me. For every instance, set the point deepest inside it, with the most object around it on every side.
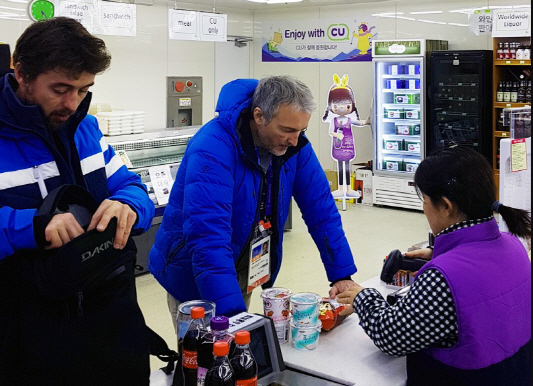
(259, 268)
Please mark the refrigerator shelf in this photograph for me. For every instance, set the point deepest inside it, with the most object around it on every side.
(400, 152)
(400, 76)
(400, 105)
(399, 136)
(400, 90)
(399, 120)
(447, 99)
(458, 114)
(467, 84)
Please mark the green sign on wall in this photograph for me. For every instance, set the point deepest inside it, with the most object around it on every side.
(407, 47)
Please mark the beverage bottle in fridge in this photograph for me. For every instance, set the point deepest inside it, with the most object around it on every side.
(221, 373)
(219, 333)
(499, 92)
(195, 331)
(243, 361)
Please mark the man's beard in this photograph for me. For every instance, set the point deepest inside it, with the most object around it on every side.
(56, 125)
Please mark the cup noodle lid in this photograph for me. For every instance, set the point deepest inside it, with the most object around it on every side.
(306, 298)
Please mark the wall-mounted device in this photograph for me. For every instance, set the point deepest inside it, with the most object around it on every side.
(184, 101)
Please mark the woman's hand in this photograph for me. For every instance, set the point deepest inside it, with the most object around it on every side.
(347, 297)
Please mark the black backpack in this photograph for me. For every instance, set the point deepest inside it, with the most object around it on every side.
(70, 316)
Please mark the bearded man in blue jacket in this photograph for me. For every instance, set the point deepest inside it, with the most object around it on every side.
(47, 140)
(232, 195)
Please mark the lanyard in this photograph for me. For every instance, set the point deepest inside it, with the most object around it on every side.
(266, 195)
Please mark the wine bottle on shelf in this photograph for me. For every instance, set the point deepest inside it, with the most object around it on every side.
(499, 53)
(514, 92)
(499, 92)
(528, 92)
(506, 52)
(507, 92)
(522, 91)
(512, 51)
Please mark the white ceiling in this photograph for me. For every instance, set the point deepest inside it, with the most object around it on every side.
(244, 4)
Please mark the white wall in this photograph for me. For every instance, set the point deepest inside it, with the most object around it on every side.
(140, 65)
(319, 76)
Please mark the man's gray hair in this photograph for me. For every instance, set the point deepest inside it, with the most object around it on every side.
(274, 91)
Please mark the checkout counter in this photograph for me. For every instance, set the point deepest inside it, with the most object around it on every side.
(344, 356)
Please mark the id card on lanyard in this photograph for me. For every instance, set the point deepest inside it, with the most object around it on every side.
(259, 271)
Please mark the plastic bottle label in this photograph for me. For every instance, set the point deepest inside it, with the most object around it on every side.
(248, 382)
(190, 360)
(202, 374)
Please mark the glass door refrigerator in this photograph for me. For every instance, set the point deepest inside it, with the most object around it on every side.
(400, 115)
(460, 101)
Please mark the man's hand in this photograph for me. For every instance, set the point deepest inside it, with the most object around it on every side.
(339, 287)
(126, 218)
(62, 229)
(347, 297)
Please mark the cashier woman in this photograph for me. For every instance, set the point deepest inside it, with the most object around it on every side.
(467, 318)
(232, 195)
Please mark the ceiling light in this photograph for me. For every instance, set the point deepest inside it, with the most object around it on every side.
(275, 1)
(432, 22)
(459, 24)
(425, 12)
(13, 9)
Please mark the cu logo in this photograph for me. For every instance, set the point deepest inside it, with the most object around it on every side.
(338, 32)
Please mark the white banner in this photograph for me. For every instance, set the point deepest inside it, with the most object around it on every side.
(213, 27)
(183, 25)
(480, 21)
(101, 17)
(512, 23)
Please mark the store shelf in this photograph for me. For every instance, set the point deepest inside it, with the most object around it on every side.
(467, 84)
(445, 99)
(401, 76)
(402, 105)
(399, 136)
(498, 62)
(505, 105)
(502, 134)
(400, 152)
(400, 90)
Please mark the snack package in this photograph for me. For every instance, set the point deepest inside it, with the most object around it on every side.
(330, 314)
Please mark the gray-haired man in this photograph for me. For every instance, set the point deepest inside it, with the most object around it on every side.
(232, 195)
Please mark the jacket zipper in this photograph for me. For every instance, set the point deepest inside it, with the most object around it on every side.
(330, 251)
(40, 181)
(171, 254)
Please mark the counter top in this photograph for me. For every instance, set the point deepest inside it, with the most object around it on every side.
(348, 356)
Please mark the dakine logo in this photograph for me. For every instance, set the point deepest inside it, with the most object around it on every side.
(102, 248)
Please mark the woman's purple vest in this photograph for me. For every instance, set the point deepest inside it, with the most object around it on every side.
(489, 274)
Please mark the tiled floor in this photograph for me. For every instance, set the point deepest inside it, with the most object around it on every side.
(371, 231)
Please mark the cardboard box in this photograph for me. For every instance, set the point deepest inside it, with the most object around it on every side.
(333, 179)
(363, 181)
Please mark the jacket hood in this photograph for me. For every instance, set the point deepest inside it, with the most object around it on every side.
(235, 97)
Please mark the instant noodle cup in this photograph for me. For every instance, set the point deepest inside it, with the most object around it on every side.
(276, 303)
(282, 331)
(305, 309)
(305, 337)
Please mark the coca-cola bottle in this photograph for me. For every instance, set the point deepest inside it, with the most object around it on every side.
(221, 374)
(191, 339)
(243, 361)
(219, 332)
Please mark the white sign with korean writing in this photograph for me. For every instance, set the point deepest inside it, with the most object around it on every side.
(512, 22)
(117, 19)
(213, 27)
(83, 11)
(162, 182)
(183, 25)
(480, 21)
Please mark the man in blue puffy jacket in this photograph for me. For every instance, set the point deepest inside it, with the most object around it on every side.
(47, 140)
(232, 194)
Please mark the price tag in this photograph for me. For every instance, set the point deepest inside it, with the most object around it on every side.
(508, 105)
(518, 155)
(459, 84)
(508, 62)
(522, 62)
(504, 134)
(460, 99)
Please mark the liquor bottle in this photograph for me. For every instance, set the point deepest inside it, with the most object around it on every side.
(520, 52)
(499, 92)
(506, 52)
(219, 333)
(507, 92)
(514, 92)
(499, 53)
(243, 361)
(528, 92)
(221, 374)
(522, 90)
(527, 52)
(196, 329)
(512, 51)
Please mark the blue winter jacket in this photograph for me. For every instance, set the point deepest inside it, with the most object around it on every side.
(31, 166)
(214, 205)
